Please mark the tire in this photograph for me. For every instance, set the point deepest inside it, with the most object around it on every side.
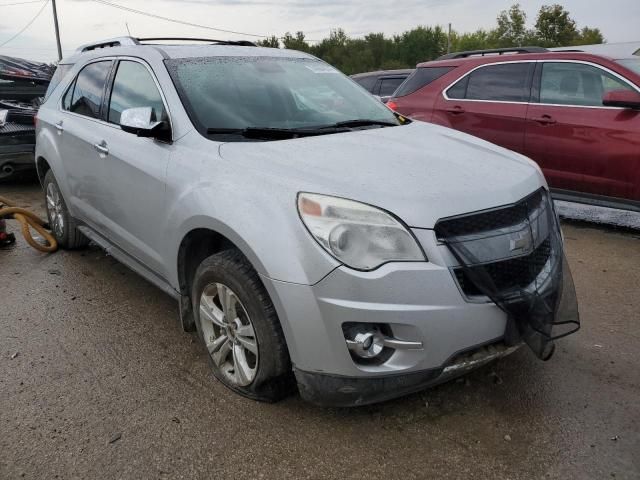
(266, 375)
(63, 225)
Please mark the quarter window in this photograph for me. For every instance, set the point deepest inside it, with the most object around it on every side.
(564, 83)
(509, 82)
(134, 87)
(88, 89)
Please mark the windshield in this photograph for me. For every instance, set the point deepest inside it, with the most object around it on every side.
(270, 92)
(631, 64)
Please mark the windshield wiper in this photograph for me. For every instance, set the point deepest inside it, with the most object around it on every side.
(269, 133)
(361, 122)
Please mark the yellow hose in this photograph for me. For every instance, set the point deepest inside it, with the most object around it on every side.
(29, 220)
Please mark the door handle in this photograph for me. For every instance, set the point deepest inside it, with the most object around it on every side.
(101, 148)
(544, 120)
(457, 110)
(59, 126)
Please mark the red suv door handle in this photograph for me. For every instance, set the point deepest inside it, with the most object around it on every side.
(457, 110)
(544, 120)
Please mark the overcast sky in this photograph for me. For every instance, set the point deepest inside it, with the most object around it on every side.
(83, 21)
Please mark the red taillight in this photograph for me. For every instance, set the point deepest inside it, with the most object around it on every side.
(35, 120)
(392, 105)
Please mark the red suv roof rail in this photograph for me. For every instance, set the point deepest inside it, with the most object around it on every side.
(499, 51)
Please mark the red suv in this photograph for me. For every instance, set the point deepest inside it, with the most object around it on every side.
(576, 114)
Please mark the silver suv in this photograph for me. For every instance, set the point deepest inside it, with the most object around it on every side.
(313, 237)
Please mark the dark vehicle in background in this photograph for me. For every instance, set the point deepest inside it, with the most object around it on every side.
(23, 84)
(576, 114)
(382, 83)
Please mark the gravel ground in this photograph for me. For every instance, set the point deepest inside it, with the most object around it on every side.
(98, 381)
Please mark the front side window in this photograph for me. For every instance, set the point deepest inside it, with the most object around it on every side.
(270, 92)
(509, 82)
(86, 92)
(579, 84)
(134, 87)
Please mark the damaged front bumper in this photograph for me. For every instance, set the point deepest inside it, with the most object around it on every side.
(338, 391)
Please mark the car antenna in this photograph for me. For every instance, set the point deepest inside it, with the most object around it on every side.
(128, 31)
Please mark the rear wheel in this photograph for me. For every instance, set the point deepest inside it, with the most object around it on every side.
(62, 224)
(239, 327)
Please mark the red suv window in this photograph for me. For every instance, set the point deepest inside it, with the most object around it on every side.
(506, 82)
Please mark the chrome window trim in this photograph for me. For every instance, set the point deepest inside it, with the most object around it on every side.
(118, 58)
(584, 62)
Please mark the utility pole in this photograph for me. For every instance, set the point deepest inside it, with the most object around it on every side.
(55, 24)
(448, 39)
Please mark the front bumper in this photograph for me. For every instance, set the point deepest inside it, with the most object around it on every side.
(418, 301)
(335, 391)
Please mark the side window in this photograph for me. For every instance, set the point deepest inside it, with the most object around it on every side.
(66, 99)
(507, 82)
(390, 85)
(134, 87)
(58, 75)
(88, 89)
(564, 83)
(367, 82)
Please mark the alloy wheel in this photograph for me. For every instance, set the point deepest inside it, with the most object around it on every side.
(228, 334)
(55, 209)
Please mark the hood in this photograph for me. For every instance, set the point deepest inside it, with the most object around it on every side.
(420, 172)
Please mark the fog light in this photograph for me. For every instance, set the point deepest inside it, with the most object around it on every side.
(364, 345)
(368, 342)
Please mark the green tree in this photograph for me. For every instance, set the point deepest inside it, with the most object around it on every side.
(296, 42)
(512, 28)
(555, 27)
(271, 42)
(589, 36)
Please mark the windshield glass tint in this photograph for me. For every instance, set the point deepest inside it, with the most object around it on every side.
(631, 64)
(242, 92)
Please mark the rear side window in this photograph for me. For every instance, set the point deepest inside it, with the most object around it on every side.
(421, 77)
(389, 85)
(134, 87)
(88, 89)
(61, 71)
(508, 82)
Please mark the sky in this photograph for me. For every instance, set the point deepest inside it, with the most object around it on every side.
(83, 21)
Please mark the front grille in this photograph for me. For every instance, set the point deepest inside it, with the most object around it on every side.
(509, 274)
(494, 219)
(495, 231)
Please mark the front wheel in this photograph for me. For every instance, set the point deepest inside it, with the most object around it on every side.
(239, 327)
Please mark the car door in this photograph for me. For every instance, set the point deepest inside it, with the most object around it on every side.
(580, 144)
(489, 102)
(78, 134)
(133, 185)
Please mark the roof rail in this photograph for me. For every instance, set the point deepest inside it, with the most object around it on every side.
(111, 42)
(499, 51)
(243, 43)
(131, 41)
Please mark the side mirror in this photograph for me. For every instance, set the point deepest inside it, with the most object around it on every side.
(139, 122)
(622, 98)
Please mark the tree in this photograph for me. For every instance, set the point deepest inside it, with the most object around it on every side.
(589, 36)
(512, 29)
(296, 42)
(271, 42)
(555, 28)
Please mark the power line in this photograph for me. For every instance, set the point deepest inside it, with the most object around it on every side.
(190, 24)
(44, 4)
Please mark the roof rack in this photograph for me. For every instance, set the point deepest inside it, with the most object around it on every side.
(132, 41)
(499, 51)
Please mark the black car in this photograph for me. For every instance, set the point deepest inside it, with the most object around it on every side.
(22, 86)
(383, 82)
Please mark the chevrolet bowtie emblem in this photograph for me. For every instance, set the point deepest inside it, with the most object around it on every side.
(520, 241)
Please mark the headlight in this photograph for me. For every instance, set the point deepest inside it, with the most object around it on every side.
(360, 236)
